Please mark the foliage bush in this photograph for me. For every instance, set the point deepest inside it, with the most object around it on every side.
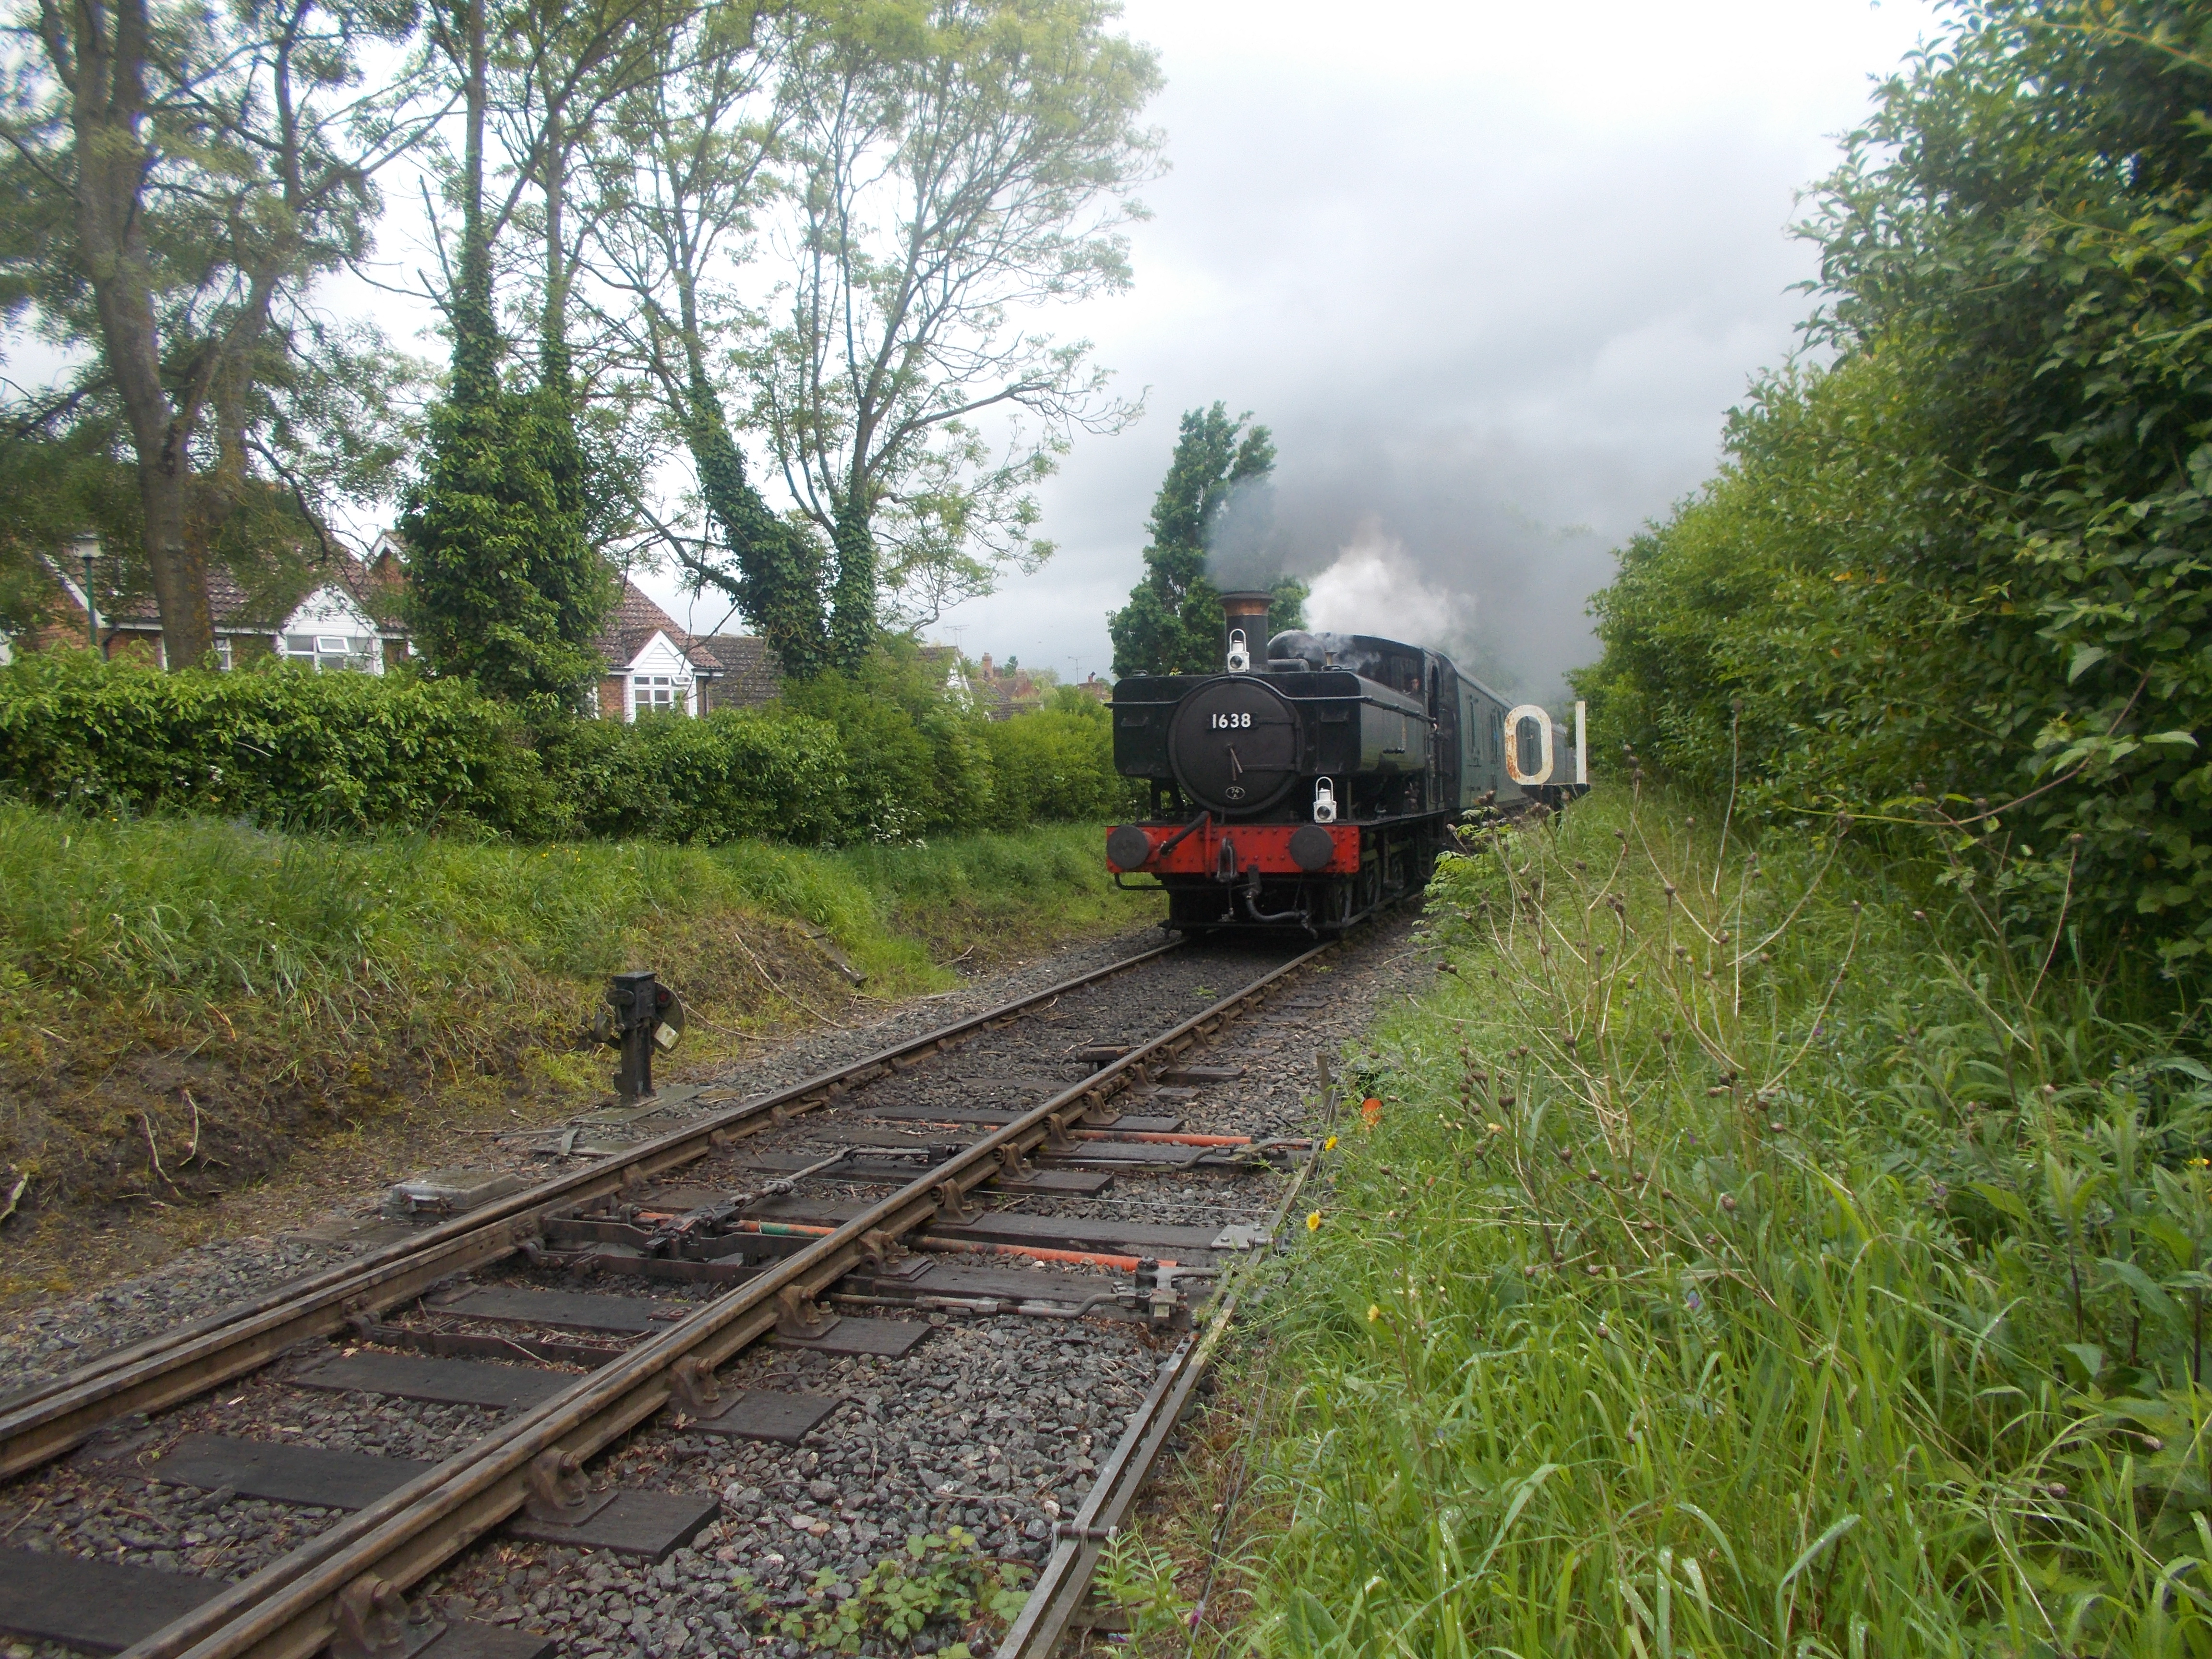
(283, 744)
(1057, 762)
(916, 763)
(1968, 561)
(732, 774)
(881, 755)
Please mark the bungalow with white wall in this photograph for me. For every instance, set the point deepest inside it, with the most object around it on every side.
(333, 625)
(653, 666)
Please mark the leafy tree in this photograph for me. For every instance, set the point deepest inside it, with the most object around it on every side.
(1173, 623)
(679, 173)
(955, 164)
(177, 178)
(1971, 560)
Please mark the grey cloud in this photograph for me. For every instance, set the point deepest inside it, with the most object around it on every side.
(1484, 339)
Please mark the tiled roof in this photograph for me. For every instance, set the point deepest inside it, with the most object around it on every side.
(750, 674)
(636, 620)
(233, 607)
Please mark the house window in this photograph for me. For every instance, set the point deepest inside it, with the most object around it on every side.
(222, 654)
(653, 693)
(353, 652)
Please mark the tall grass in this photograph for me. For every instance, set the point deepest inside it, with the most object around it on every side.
(168, 975)
(1751, 1256)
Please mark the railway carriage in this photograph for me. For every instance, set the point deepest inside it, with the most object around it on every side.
(1319, 782)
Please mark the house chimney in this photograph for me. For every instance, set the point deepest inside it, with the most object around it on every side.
(1243, 614)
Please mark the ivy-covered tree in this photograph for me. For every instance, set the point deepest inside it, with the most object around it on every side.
(503, 584)
(680, 169)
(1173, 621)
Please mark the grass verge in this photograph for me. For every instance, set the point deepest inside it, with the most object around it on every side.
(1753, 1252)
(186, 999)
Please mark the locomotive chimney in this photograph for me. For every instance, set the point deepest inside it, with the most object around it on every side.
(1245, 627)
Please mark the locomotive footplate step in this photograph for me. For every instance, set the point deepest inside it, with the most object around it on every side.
(307, 1475)
(569, 1310)
(652, 1524)
(757, 1414)
(449, 1382)
(886, 1339)
(100, 1606)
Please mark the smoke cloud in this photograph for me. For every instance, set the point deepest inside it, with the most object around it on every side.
(1413, 549)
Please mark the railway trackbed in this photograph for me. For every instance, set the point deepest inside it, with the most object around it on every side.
(968, 1281)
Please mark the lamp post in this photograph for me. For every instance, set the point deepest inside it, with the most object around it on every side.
(88, 548)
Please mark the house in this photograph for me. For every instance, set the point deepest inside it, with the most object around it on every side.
(653, 665)
(1002, 693)
(341, 622)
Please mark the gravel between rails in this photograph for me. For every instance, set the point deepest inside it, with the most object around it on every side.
(993, 1425)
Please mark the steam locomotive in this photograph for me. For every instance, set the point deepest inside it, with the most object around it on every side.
(1317, 786)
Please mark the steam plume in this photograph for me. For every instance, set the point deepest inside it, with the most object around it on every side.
(1423, 553)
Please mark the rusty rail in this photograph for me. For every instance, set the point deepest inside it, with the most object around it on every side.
(294, 1606)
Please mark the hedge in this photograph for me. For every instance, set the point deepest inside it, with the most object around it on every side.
(874, 757)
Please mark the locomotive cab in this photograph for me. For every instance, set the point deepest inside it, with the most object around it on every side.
(1320, 783)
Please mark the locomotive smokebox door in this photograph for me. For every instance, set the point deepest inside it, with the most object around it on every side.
(1234, 744)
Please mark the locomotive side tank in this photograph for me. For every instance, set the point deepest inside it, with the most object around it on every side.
(1320, 782)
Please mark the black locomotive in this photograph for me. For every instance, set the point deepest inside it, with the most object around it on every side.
(1320, 783)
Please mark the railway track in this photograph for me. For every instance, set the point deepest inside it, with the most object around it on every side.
(971, 1188)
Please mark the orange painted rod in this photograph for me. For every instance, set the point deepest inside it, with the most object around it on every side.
(963, 1246)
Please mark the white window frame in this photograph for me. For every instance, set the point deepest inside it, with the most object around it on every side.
(649, 683)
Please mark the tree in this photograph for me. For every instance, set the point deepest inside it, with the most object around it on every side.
(179, 178)
(679, 173)
(504, 583)
(954, 165)
(1173, 623)
(1964, 569)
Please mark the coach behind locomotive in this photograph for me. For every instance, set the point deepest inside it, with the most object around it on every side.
(1322, 783)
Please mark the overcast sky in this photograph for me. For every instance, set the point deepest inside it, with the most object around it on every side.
(1493, 273)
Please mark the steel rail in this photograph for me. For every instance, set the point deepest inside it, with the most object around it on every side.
(292, 1607)
(38, 1426)
(1056, 1599)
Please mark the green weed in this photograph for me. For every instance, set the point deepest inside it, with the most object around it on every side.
(943, 1581)
(1745, 1260)
(193, 993)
